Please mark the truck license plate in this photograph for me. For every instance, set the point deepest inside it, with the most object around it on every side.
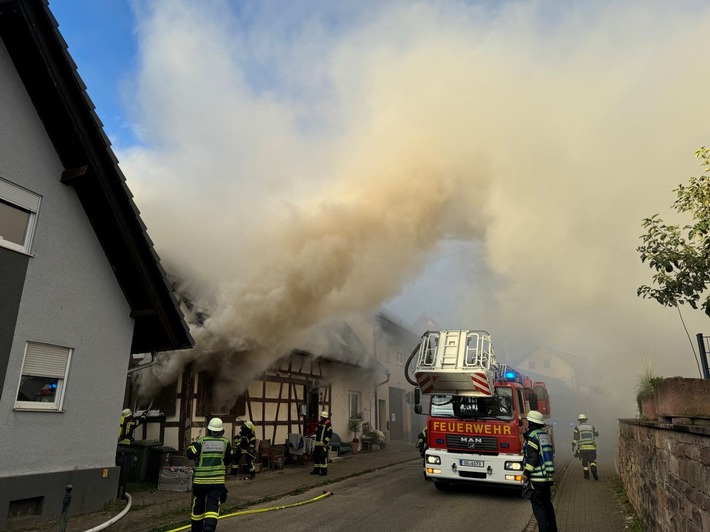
(471, 463)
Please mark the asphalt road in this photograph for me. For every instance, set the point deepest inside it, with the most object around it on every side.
(396, 498)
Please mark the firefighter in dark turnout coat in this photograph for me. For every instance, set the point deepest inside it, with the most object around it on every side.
(245, 448)
(212, 454)
(324, 433)
(538, 471)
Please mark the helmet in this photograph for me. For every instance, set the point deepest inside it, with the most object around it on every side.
(535, 417)
(126, 412)
(324, 413)
(215, 425)
(581, 417)
(248, 424)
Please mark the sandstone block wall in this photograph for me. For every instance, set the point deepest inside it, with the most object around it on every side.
(665, 470)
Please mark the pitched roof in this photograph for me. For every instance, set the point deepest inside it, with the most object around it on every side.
(30, 34)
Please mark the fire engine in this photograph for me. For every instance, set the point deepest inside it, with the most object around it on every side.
(476, 409)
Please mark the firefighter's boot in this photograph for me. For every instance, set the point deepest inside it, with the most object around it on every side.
(586, 474)
(323, 472)
(594, 472)
(252, 475)
(316, 471)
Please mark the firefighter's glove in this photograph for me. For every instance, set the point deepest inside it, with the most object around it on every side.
(527, 489)
(223, 495)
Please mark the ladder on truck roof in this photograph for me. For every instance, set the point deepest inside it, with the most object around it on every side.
(456, 362)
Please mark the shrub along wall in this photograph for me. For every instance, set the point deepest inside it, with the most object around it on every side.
(665, 469)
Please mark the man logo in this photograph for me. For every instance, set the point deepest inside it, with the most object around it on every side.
(471, 441)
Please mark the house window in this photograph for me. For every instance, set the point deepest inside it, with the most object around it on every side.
(400, 358)
(354, 400)
(18, 216)
(205, 406)
(44, 373)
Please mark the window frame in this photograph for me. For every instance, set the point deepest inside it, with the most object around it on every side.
(357, 411)
(58, 404)
(24, 200)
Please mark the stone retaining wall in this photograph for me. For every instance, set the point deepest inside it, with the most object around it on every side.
(665, 470)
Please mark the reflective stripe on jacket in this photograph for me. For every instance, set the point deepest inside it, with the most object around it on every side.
(584, 437)
(212, 456)
(324, 433)
(539, 464)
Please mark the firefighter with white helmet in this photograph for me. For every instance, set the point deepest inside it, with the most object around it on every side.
(538, 472)
(324, 433)
(245, 448)
(212, 454)
(584, 446)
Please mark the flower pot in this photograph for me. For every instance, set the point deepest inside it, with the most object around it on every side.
(356, 446)
(679, 397)
(647, 406)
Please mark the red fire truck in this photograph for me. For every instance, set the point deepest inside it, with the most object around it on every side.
(476, 408)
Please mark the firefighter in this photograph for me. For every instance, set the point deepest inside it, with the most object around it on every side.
(324, 433)
(584, 446)
(212, 454)
(421, 442)
(245, 449)
(128, 425)
(538, 471)
(422, 446)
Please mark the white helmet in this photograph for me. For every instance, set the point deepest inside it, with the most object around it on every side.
(324, 413)
(535, 417)
(215, 425)
(248, 424)
(582, 417)
(126, 412)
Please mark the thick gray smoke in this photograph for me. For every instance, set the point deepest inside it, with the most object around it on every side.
(304, 162)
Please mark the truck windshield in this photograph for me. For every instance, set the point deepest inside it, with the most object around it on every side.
(498, 406)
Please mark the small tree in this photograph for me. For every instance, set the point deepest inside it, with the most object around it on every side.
(679, 255)
(355, 424)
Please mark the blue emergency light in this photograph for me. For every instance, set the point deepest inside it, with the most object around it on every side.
(510, 374)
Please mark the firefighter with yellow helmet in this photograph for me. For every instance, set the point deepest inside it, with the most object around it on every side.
(212, 454)
(127, 426)
(584, 446)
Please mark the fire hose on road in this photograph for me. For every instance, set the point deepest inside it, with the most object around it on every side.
(262, 510)
(116, 517)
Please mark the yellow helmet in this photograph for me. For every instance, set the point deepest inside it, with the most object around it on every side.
(582, 417)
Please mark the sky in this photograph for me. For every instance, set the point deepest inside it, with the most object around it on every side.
(488, 163)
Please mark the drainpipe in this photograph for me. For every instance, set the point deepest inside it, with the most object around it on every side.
(374, 354)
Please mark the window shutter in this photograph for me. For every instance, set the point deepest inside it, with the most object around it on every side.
(19, 196)
(44, 360)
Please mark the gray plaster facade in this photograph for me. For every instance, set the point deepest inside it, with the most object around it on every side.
(89, 282)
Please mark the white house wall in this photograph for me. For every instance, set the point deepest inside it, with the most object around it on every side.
(70, 298)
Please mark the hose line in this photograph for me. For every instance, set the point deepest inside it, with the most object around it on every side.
(262, 510)
(111, 521)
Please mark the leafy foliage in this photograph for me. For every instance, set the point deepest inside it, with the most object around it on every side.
(680, 256)
(647, 382)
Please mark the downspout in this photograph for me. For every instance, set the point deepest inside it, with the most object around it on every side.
(374, 354)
